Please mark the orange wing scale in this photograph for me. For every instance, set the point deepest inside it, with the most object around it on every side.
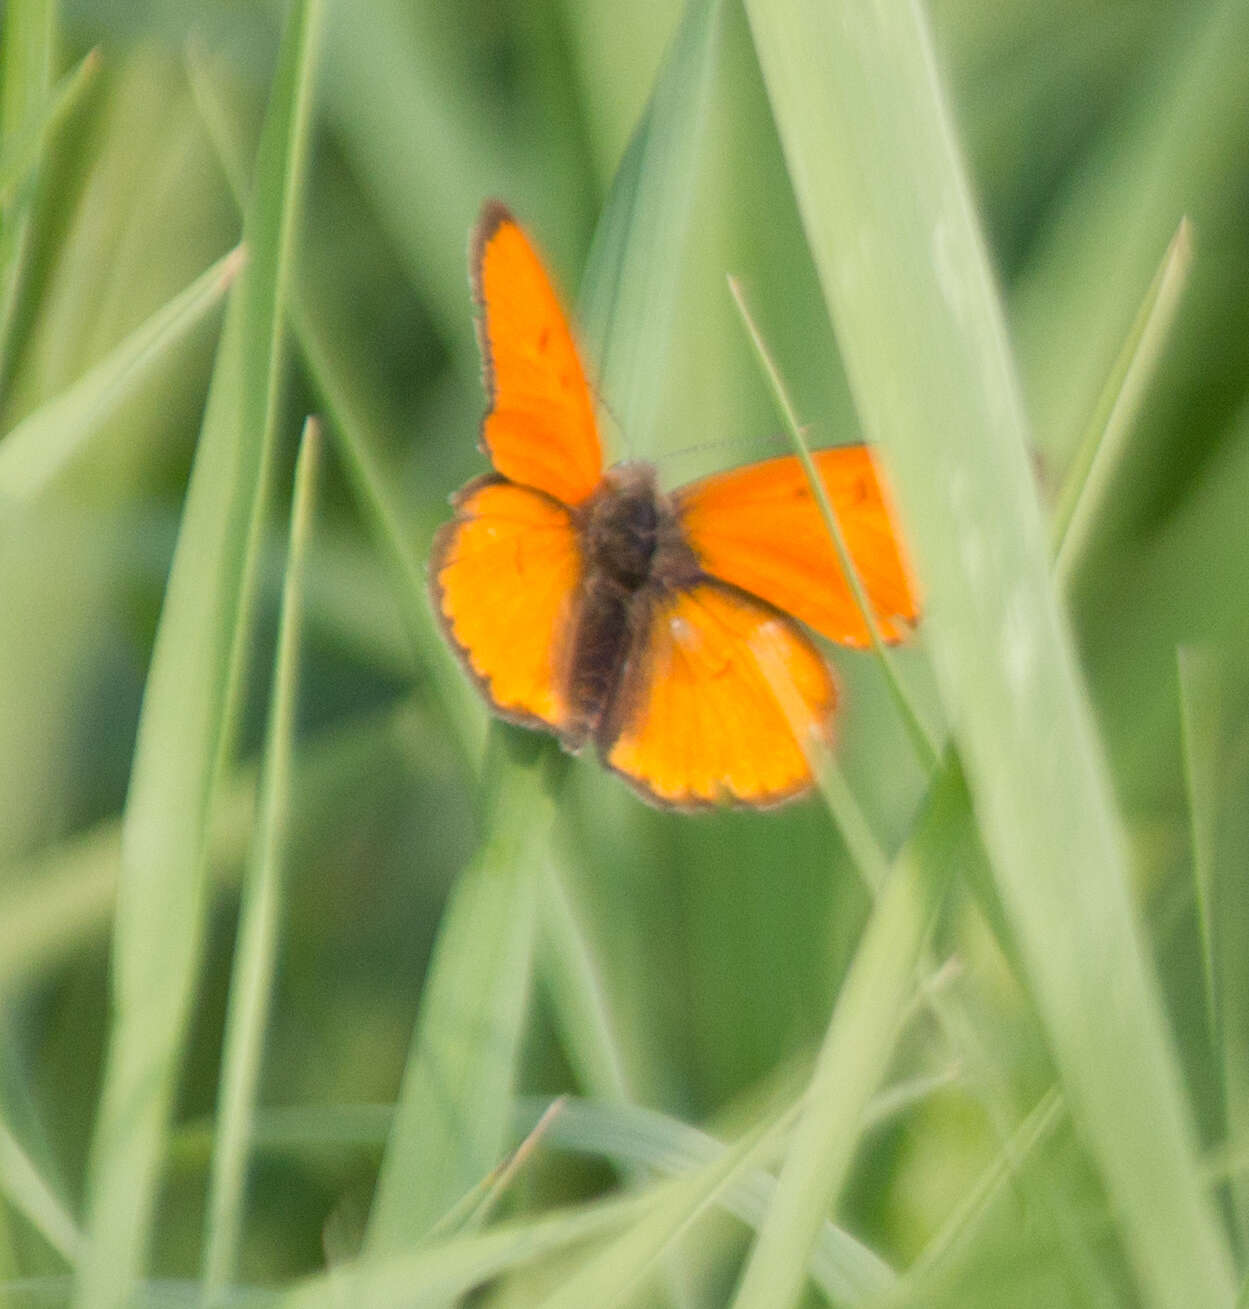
(541, 429)
(761, 529)
(504, 576)
(703, 720)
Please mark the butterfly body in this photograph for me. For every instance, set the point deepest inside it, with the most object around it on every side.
(658, 626)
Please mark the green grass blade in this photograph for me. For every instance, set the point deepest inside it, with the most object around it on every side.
(574, 986)
(860, 1041)
(1036, 1128)
(611, 1274)
(1089, 479)
(628, 294)
(1200, 722)
(27, 59)
(422, 1279)
(256, 951)
(19, 157)
(1168, 154)
(844, 1268)
(924, 745)
(30, 1195)
(185, 711)
(44, 442)
(1214, 696)
(885, 202)
(451, 1122)
(348, 413)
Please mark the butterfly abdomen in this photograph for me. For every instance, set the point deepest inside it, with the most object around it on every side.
(633, 550)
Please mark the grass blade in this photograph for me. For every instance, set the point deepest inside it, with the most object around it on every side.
(185, 711)
(44, 442)
(860, 1041)
(886, 205)
(451, 1122)
(19, 158)
(256, 951)
(1214, 693)
(1092, 470)
(628, 303)
(31, 1196)
(608, 1277)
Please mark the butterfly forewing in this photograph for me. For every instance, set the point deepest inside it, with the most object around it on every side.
(541, 429)
(700, 720)
(760, 527)
(504, 576)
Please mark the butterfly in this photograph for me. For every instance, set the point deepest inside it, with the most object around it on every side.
(591, 603)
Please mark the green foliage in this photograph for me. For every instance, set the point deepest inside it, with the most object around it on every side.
(919, 1040)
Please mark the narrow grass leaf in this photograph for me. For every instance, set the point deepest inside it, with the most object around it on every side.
(45, 441)
(860, 1041)
(348, 413)
(455, 1105)
(608, 1277)
(27, 55)
(1200, 685)
(843, 1267)
(881, 188)
(628, 294)
(1168, 153)
(437, 1274)
(1101, 451)
(30, 1195)
(183, 721)
(19, 156)
(976, 1202)
(924, 745)
(256, 950)
(1214, 694)
(575, 990)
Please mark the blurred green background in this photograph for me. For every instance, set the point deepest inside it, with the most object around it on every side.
(719, 943)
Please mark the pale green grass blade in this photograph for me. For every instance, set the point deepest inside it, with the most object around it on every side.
(256, 950)
(610, 1275)
(1170, 154)
(885, 202)
(183, 721)
(348, 412)
(30, 1195)
(574, 985)
(844, 1268)
(470, 1214)
(19, 156)
(1214, 696)
(627, 303)
(1091, 474)
(451, 1122)
(1199, 677)
(44, 442)
(861, 1039)
(422, 1279)
(959, 1228)
(28, 52)
(924, 745)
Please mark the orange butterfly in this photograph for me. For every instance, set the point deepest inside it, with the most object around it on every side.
(593, 604)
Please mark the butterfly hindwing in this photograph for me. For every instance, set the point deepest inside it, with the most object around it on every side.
(504, 576)
(699, 719)
(541, 429)
(760, 528)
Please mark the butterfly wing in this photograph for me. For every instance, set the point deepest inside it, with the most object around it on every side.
(713, 700)
(541, 429)
(760, 528)
(504, 575)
